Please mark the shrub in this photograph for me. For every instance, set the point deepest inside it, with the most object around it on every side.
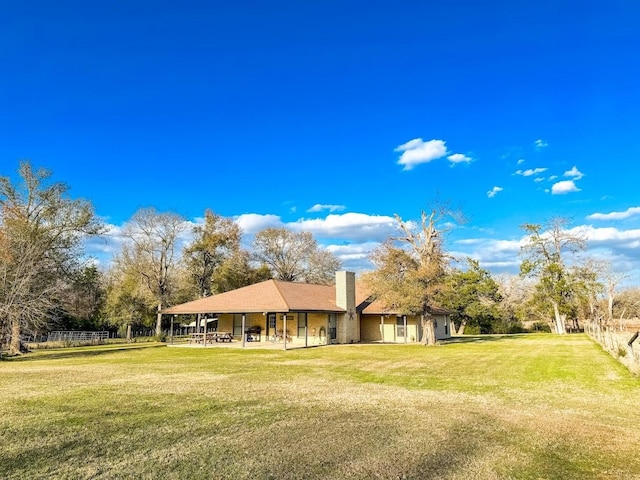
(540, 327)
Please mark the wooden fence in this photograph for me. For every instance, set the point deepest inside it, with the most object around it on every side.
(622, 345)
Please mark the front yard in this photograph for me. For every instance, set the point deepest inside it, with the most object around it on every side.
(526, 406)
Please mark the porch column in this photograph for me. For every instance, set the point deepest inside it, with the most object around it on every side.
(284, 330)
(404, 320)
(382, 328)
(326, 333)
(206, 326)
(243, 329)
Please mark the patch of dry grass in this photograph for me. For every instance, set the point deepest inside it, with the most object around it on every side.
(526, 407)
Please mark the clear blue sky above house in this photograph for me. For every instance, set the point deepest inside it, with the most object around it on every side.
(333, 116)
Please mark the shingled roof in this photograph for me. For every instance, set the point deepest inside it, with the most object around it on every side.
(367, 304)
(267, 296)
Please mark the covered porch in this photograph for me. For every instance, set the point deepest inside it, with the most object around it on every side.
(264, 329)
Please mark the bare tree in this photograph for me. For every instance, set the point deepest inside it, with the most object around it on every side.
(294, 256)
(151, 252)
(515, 293)
(544, 259)
(41, 230)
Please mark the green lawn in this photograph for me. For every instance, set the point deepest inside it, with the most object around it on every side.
(522, 407)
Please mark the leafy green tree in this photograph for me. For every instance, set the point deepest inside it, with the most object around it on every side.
(474, 297)
(41, 233)
(544, 259)
(237, 271)
(83, 298)
(127, 301)
(294, 256)
(214, 242)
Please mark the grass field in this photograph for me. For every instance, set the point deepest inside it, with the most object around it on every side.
(522, 407)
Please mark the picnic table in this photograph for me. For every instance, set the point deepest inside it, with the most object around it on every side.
(221, 336)
(211, 337)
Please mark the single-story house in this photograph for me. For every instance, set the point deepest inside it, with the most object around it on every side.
(302, 313)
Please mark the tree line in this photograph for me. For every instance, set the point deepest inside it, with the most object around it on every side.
(47, 283)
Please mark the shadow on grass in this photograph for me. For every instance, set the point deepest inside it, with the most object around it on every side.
(481, 338)
(77, 352)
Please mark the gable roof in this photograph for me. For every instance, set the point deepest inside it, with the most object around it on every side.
(367, 304)
(267, 296)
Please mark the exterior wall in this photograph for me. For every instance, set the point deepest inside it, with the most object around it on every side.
(348, 323)
(225, 323)
(317, 326)
(317, 323)
(443, 327)
(372, 330)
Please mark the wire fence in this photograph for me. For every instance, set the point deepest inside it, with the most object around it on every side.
(622, 345)
(77, 336)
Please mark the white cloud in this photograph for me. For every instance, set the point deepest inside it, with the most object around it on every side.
(575, 173)
(540, 143)
(608, 234)
(538, 179)
(251, 223)
(521, 161)
(459, 158)
(629, 212)
(619, 247)
(494, 191)
(494, 254)
(332, 208)
(349, 226)
(417, 151)
(563, 187)
(354, 256)
(531, 171)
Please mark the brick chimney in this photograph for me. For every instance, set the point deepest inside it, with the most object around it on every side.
(348, 324)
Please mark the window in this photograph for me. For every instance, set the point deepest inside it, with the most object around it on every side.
(333, 326)
(302, 324)
(400, 329)
(272, 321)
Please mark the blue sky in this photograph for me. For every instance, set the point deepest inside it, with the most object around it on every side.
(333, 116)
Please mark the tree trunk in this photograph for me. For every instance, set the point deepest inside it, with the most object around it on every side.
(463, 324)
(428, 330)
(559, 320)
(129, 332)
(610, 308)
(159, 322)
(14, 346)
